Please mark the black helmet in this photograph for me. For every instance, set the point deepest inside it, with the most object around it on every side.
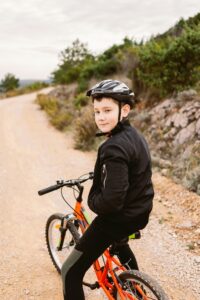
(114, 89)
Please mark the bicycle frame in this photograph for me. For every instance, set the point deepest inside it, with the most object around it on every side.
(102, 273)
(107, 277)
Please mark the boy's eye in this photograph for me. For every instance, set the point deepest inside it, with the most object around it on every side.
(107, 110)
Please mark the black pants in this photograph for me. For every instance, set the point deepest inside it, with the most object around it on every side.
(92, 244)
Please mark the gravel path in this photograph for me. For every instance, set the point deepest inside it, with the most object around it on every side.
(33, 155)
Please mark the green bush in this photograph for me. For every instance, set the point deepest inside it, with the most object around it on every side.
(173, 65)
(81, 100)
(83, 83)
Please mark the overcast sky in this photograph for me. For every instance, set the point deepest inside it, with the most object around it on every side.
(34, 32)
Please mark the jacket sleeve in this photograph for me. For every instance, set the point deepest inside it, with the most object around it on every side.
(110, 196)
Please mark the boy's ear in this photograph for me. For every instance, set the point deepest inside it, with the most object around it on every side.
(125, 110)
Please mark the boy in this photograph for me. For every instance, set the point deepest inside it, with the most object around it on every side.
(122, 191)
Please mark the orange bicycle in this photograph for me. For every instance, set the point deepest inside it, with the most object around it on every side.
(64, 231)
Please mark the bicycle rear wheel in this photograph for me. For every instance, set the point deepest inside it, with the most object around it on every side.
(140, 286)
(53, 235)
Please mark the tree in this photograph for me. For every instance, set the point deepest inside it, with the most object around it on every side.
(75, 54)
(170, 65)
(72, 61)
(9, 83)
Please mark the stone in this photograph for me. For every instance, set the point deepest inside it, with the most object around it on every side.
(159, 112)
(169, 121)
(185, 225)
(198, 189)
(197, 260)
(164, 172)
(197, 231)
(197, 114)
(198, 128)
(180, 120)
(186, 95)
(26, 291)
(185, 134)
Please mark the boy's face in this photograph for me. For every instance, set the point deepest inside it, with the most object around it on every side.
(106, 113)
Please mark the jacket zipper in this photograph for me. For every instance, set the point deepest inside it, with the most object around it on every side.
(105, 175)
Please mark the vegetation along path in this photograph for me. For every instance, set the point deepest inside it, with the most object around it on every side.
(32, 156)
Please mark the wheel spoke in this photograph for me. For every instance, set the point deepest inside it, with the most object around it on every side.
(139, 286)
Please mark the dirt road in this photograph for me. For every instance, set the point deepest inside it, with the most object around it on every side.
(32, 156)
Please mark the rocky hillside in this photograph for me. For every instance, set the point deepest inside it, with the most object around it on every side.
(173, 131)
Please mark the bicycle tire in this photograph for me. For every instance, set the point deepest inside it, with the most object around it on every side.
(52, 234)
(149, 286)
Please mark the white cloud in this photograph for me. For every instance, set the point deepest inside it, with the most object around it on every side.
(32, 33)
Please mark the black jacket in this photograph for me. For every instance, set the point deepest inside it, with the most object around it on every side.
(122, 188)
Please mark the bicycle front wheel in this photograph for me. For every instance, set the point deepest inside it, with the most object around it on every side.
(53, 236)
(140, 286)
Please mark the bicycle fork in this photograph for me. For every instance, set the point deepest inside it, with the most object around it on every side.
(63, 228)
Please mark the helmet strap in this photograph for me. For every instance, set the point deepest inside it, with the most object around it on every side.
(119, 115)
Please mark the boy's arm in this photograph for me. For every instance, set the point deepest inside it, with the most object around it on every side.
(110, 196)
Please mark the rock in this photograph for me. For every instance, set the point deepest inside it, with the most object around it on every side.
(186, 95)
(185, 225)
(177, 120)
(26, 291)
(198, 189)
(160, 111)
(197, 114)
(170, 134)
(197, 260)
(198, 128)
(180, 120)
(185, 134)
(162, 163)
(161, 145)
(164, 172)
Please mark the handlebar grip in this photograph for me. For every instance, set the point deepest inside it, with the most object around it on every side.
(49, 189)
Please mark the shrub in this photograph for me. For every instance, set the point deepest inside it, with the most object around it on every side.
(186, 166)
(59, 115)
(61, 120)
(85, 130)
(80, 100)
(34, 86)
(192, 179)
(49, 104)
(172, 65)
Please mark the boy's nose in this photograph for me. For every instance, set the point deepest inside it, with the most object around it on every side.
(101, 116)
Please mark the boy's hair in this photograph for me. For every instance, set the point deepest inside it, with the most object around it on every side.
(99, 99)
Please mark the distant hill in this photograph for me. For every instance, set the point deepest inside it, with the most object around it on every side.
(25, 82)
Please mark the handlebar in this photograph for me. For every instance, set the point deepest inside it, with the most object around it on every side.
(68, 183)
